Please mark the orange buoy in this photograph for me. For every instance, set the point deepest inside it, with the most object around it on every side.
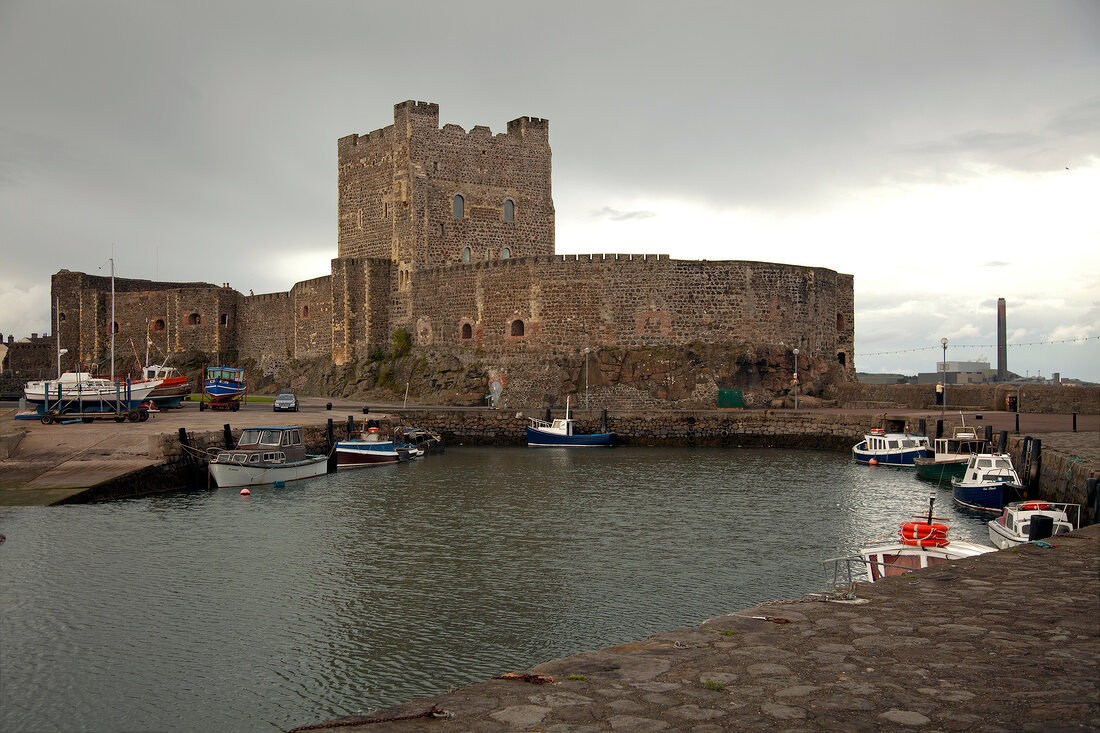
(872, 462)
(245, 492)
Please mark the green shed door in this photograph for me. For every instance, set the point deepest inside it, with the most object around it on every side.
(730, 398)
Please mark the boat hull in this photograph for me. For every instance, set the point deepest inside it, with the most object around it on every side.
(896, 458)
(987, 496)
(933, 470)
(232, 475)
(543, 439)
(897, 559)
(354, 454)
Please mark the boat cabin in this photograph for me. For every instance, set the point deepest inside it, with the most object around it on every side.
(266, 445)
(156, 371)
(963, 442)
(895, 442)
(990, 468)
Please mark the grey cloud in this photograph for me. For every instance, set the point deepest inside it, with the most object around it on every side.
(615, 215)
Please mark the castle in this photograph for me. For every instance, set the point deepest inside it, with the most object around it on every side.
(450, 235)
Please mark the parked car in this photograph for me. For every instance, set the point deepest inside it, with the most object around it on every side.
(285, 402)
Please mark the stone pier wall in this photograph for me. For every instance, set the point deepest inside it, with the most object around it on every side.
(1029, 397)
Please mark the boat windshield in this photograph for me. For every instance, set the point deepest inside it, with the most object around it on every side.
(271, 437)
(1002, 463)
(250, 436)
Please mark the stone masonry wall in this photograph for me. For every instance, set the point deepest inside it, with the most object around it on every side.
(1030, 397)
(313, 310)
(266, 333)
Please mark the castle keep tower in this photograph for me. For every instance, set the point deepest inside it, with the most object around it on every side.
(426, 197)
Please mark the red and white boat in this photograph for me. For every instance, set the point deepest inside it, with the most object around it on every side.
(919, 544)
(1014, 528)
(173, 386)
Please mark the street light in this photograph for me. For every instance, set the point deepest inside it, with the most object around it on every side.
(586, 350)
(796, 379)
(943, 402)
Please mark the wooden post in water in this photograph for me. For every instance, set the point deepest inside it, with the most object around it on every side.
(351, 427)
(228, 435)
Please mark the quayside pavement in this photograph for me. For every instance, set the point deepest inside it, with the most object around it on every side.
(1007, 641)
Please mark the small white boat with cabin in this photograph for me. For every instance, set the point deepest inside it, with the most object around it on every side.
(559, 433)
(1014, 526)
(91, 391)
(266, 456)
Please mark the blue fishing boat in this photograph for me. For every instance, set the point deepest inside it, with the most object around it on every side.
(988, 484)
(891, 449)
(223, 388)
(559, 432)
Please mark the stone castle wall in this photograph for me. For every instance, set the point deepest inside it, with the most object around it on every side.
(563, 303)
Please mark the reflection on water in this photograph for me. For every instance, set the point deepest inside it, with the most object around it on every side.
(344, 593)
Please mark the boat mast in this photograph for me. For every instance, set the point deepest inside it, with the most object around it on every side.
(57, 333)
(112, 319)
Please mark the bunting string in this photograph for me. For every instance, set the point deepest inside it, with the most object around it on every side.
(982, 346)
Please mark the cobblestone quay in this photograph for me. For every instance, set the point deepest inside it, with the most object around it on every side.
(1007, 641)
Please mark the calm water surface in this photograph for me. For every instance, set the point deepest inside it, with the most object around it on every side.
(337, 595)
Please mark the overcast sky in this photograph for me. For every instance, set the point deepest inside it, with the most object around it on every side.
(944, 153)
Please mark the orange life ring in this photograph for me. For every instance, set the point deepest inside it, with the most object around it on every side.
(1035, 506)
(922, 528)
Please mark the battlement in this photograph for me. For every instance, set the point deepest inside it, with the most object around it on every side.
(524, 126)
(430, 109)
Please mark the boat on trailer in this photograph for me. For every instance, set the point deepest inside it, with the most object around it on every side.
(560, 433)
(988, 483)
(891, 449)
(173, 386)
(266, 455)
(223, 388)
(919, 544)
(1014, 526)
(87, 389)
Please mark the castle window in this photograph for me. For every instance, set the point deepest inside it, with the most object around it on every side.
(60, 317)
(505, 253)
(517, 327)
(466, 255)
(509, 210)
(305, 311)
(225, 319)
(458, 208)
(840, 321)
(467, 331)
(439, 229)
(114, 327)
(194, 319)
(158, 325)
(841, 358)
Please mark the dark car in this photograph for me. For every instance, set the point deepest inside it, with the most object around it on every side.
(285, 402)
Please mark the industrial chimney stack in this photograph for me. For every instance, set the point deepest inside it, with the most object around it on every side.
(1002, 342)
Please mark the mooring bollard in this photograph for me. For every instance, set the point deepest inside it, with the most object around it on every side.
(1017, 423)
(227, 434)
(1041, 527)
(1075, 422)
(1002, 441)
(1092, 499)
(939, 428)
(989, 434)
(351, 426)
(328, 405)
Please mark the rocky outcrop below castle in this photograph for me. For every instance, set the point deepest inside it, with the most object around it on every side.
(688, 377)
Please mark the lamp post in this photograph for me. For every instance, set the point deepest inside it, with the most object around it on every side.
(943, 403)
(586, 350)
(796, 379)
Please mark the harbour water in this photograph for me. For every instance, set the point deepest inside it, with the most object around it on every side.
(207, 610)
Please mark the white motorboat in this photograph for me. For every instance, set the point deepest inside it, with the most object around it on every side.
(266, 456)
(1014, 526)
(92, 391)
